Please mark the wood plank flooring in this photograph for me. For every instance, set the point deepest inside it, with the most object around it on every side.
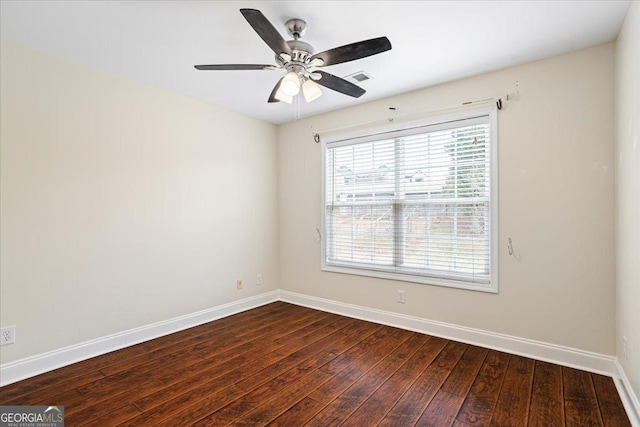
(285, 365)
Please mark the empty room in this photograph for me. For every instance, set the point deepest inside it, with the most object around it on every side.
(319, 213)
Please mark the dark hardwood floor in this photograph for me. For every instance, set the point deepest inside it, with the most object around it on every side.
(284, 365)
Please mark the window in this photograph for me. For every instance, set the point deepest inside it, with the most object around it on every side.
(415, 203)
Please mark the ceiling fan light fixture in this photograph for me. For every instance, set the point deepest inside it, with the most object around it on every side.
(290, 85)
(311, 90)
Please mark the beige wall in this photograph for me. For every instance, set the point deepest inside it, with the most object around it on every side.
(628, 193)
(556, 182)
(123, 204)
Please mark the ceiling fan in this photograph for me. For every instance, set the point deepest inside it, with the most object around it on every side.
(300, 61)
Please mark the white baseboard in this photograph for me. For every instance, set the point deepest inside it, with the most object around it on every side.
(585, 360)
(629, 398)
(35, 365)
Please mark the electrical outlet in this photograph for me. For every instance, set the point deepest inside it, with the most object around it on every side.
(239, 284)
(400, 296)
(625, 355)
(7, 335)
(259, 280)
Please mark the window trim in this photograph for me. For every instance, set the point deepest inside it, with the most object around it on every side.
(376, 133)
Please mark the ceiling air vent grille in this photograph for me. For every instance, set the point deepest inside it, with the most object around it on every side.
(359, 77)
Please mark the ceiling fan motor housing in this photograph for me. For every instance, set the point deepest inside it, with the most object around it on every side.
(301, 53)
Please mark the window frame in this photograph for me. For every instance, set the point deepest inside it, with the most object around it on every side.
(373, 133)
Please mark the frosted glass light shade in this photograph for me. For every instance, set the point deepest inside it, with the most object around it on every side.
(281, 96)
(290, 85)
(311, 90)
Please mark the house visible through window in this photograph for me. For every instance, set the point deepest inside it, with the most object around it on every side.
(417, 203)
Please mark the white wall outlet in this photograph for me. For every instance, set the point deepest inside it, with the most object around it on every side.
(625, 355)
(239, 284)
(259, 280)
(7, 335)
(400, 296)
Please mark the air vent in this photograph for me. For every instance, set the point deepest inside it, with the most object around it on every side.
(358, 77)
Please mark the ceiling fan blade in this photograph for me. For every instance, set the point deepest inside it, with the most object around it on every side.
(272, 97)
(221, 67)
(266, 31)
(353, 51)
(339, 85)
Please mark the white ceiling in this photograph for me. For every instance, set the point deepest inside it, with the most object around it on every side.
(158, 42)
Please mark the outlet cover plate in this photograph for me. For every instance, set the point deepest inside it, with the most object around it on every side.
(7, 335)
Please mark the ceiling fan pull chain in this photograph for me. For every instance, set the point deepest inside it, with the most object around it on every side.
(297, 108)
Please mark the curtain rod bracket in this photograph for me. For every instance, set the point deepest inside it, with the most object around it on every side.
(499, 104)
(316, 138)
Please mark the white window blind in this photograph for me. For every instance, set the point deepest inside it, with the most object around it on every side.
(416, 203)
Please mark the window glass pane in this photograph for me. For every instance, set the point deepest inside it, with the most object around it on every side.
(447, 238)
(362, 234)
(364, 172)
(468, 151)
(427, 165)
